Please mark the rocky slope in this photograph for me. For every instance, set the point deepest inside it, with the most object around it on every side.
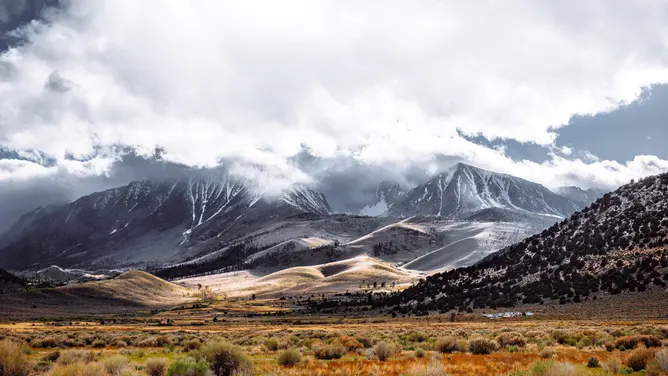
(147, 220)
(617, 244)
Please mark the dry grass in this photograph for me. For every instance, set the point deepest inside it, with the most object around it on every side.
(13, 360)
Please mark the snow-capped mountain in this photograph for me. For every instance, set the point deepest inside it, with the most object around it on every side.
(466, 189)
(173, 214)
(579, 195)
(617, 244)
(382, 199)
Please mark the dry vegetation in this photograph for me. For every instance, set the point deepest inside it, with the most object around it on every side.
(320, 346)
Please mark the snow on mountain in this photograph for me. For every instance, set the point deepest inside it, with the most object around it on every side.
(466, 189)
(583, 196)
(150, 220)
(385, 195)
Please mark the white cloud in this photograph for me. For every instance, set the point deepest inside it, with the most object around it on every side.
(388, 82)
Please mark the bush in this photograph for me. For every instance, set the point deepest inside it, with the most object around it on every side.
(13, 360)
(76, 356)
(162, 341)
(78, 369)
(417, 337)
(350, 343)
(447, 345)
(98, 344)
(511, 339)
(420, 353)
(612, 366)
(482, 346)
(609, 346)
(662, 360)
(289, 358)
(431, 369)
(593, 362)
(188, 367)
(547, 353)
(639, 359)
(192, 345)
(383, 351)
(551, 368)
(156, 367)
(326, 352)
(115, 364)
(631, 342)
(272, 344)
(224, 358)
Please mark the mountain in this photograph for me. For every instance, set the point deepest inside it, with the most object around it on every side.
(147, 220)
(10, 283)
(579, 195)
(466, 189)
(382, 199)
(617, 244)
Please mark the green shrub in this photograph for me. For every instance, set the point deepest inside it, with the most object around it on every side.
(593, 362)
(639, 359)
(289, 358)
(511, 339)
(326, 352)
(420, 353)
(447, 345)
(272, 344)
(98, 344)
(189, 367)
(13, 360)
(156, 367)
(417, 337)
(224, 358)
(482, 346)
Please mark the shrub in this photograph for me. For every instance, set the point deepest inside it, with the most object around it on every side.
(156, 367)
(383, 351)
(272, 344)
(326, 352)
(482, 346)
(51, 357)
(417, 337)
(551, 368)
(662, 360)
(76, 356)
(547, 353)
(98, 344)
(115, 364)
(447, 345)
(78, 369)
(188, 367)
(430, 369)
(121, 344)
(162, 341)
(420, 353)
(289, 358)
(593, 362)
(13, 360)
(511, 339)
(631, 342)
(612, 366)
(639, 359)
(609, 346)
(224, 358)
(350, 343)
(192, 345)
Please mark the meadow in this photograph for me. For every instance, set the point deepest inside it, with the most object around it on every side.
(171, 343)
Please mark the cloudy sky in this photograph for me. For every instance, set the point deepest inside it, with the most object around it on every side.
(97, 93)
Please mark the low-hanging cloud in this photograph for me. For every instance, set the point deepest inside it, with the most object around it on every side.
(392, 84)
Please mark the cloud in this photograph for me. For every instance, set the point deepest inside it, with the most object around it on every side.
(391, 84)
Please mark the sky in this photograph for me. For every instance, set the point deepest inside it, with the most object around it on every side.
(341, 93)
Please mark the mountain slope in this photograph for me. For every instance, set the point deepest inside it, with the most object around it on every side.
(466, 189)
(147, 220)
(579, 195)
(383, 198)
(618, 244)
